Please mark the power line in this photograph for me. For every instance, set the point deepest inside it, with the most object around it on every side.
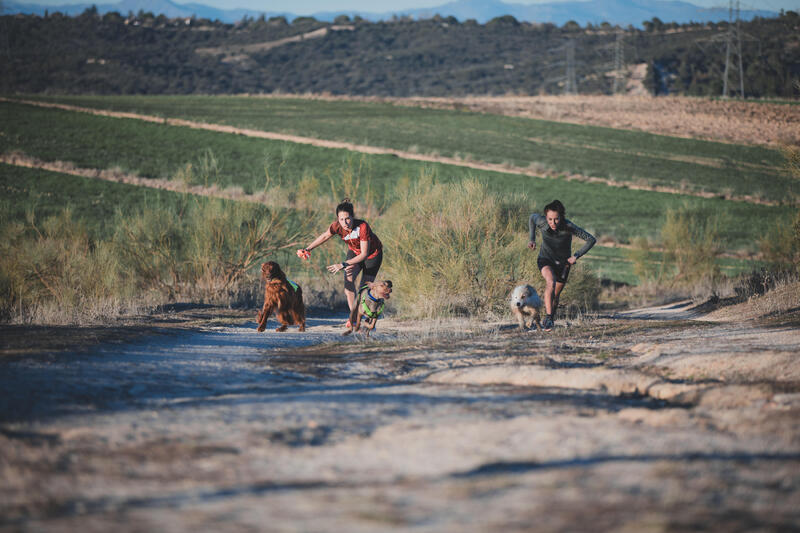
(571, 86)
(733, 46)
(619, 64)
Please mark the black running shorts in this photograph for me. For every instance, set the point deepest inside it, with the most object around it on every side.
(370, 267)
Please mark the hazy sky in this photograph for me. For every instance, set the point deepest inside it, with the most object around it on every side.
(304, 7)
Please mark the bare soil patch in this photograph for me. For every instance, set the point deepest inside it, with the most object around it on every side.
(255, 48)
(734, 121)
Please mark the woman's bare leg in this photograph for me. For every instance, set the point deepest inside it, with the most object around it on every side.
(549, 290)
(559, 287)
(350, 274)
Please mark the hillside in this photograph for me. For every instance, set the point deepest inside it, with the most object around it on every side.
(111, 54)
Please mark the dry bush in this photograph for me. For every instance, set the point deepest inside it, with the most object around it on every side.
(691, 245)
(206, 248)
(687, 264)
(206, 172)
(52, 270)
(458, 250)
(646, 264)
(352, 180)
(781, 246)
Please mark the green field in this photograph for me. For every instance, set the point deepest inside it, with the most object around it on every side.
(95, 202)
(158, 150)
(621, 155)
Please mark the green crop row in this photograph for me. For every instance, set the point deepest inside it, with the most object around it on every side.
(620, 155)
(163, 151)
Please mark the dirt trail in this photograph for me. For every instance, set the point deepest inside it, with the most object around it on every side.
(477, 165)
(615, 423)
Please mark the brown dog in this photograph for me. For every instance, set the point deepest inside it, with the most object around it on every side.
(369, 305)
(282, 296)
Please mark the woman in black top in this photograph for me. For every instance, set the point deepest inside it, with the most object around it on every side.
(555, 255)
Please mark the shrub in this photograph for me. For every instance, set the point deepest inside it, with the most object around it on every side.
(646, 265)
(691, 246)
(781, 246)
(55, 266)
(226, 239)
(205, 249)
(456, 249)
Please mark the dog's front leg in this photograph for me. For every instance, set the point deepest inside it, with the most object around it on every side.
(263, 315)
(520, 319)
(357, 323)
(536, 320)
(370, 326)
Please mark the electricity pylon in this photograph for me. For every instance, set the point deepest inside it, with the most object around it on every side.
(733, 46)
(571, 86)
(619, 65)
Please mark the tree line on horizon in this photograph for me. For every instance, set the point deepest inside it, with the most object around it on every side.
(441, 56)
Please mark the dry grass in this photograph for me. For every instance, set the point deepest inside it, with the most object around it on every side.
(785, 297)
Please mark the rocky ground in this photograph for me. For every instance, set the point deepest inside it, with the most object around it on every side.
(666, 419)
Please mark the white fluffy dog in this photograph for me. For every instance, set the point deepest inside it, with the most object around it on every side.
(526, 303)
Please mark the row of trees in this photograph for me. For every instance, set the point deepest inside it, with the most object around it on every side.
(143, 53)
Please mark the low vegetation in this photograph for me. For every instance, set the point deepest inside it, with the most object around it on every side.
(781, 246)
(464, 252)
(55, 270)
(76, 248)
(543, 147)
(253, 165)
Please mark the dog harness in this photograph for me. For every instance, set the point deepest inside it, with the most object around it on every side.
(365, 308)
(293, 284)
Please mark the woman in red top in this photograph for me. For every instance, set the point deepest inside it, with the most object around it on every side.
(364, 249)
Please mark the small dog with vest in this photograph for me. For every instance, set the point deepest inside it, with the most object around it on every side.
(369, 306)
(525, 303)
(283, 296)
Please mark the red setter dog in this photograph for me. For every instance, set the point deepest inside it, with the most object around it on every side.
(281, 296)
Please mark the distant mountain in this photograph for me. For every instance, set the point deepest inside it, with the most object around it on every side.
(621, 12)
(157, 7)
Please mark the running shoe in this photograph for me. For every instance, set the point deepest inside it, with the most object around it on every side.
(548, 323)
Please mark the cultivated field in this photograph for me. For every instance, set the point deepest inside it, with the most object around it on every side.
(157, 151)
(527, 146)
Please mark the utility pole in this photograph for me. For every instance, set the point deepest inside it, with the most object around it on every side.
(619, 64)
(570, 87)
(733, 46)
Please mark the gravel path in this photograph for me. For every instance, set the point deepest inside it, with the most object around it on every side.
(223, 428)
